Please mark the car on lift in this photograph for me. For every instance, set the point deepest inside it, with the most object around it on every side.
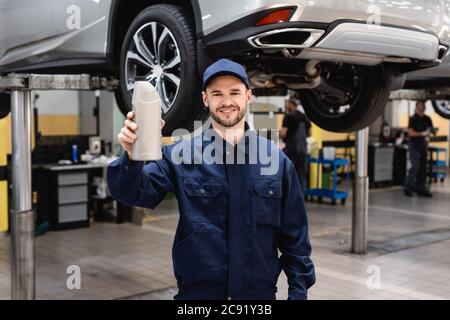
(433, 84)
(341, 57)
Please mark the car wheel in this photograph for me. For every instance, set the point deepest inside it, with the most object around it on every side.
(349, 98)
(442, 108)
(5, 104)
(160, 47)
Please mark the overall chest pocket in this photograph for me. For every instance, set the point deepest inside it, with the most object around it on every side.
(267, 202)
(203, 198)
(202, 189)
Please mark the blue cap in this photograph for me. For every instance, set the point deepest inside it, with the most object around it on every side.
(224, 67)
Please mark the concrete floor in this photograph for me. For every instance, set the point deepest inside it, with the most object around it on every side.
(408, 243)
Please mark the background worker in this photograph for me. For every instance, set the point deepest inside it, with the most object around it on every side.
(296, 128)
(420, 128)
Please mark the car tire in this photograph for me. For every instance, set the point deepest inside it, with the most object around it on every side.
(5, 105)
(442, 108)
(367, 105)
(178, 82)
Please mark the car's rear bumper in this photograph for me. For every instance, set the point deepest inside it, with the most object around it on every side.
(430, 16)
(342, 39)
(383, 40)
(380, 40)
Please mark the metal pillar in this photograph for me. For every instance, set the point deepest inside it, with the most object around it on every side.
(23, 275)
(22, 216)
(360, 193)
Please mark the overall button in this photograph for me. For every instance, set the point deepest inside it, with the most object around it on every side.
(202, 191)
(270, 192)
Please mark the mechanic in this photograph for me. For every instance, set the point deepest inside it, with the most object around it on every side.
(420, 128)
(233, 218)
(295, 129)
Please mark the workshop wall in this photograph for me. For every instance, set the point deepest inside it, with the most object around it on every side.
(5, 135)
(86, 112)
(58, 112)
(111, 119)
(118, 119)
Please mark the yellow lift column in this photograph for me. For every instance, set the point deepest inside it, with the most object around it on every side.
(5, 145)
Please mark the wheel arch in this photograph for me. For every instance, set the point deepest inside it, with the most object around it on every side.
(119, 23)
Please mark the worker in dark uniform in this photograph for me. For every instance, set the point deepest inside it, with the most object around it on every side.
(295, 129)
(420, 128)
(234, 215)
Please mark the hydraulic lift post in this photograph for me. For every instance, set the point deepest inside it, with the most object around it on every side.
(22, 217)
(23, 272)
(360, 193)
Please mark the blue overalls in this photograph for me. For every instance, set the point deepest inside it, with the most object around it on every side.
(233, 219)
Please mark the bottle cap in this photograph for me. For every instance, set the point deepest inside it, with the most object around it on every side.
(144, 92)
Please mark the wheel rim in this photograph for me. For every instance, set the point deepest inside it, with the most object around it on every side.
(339, 90)
(442, 106)
(154, 55)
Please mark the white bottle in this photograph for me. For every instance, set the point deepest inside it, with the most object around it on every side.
(147, 115)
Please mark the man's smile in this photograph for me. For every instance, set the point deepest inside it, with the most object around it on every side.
(228, 111)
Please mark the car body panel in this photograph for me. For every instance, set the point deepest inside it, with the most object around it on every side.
(39, 31)
(381, 40)
(426, 15)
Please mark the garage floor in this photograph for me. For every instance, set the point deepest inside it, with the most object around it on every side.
(408, 238)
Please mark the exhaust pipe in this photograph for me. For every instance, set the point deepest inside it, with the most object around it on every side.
(286, 38)
(312, 77)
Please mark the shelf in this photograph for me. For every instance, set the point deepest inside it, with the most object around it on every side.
(337, 161)
(327, 193)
